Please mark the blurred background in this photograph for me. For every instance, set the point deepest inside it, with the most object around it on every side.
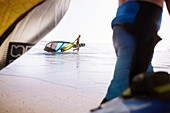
(92, 20)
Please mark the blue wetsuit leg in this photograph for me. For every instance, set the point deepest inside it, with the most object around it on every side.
(124, 44)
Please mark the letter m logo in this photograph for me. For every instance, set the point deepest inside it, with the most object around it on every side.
(16, 49)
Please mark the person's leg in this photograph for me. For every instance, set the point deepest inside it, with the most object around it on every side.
(124, 44)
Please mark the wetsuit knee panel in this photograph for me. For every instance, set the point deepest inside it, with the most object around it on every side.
(122, 39)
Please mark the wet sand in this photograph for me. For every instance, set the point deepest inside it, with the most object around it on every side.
(69, 82)
(27, 95)
(41, 82)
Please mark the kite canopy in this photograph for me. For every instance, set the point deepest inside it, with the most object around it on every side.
(55, 46)
(12, 12)
(24, 22)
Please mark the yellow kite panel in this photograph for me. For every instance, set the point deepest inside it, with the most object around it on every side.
(11, 10)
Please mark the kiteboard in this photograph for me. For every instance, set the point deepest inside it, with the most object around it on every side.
(120, 105)
(149, 93)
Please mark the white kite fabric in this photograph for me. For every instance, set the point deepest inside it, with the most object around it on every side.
(39, 21)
